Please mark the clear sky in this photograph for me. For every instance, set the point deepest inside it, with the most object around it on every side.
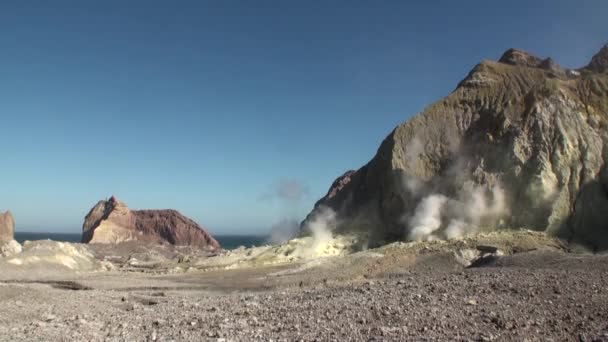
(236, 113)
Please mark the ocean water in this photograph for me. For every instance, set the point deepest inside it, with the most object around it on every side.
(227, 241)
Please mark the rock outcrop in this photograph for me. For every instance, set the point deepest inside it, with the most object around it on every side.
(599, 62)
(8, 246)
(45, 257)
(520, 142)
(7, 227)
(112, 221)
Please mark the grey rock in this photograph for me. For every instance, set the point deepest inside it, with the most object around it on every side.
(519, 125)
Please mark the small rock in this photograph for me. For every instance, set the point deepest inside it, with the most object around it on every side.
(49, 317)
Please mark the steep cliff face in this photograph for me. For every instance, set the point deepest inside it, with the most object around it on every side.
(519, 143)
(112, 221)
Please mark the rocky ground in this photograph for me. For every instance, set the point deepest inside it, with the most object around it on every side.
(404, 292)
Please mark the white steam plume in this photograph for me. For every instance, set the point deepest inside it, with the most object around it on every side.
(427, 218)
(438, 216)
(320, 226)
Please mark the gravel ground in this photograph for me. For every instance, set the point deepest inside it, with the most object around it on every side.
(534, 296)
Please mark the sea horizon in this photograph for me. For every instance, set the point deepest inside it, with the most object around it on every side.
(227, 241)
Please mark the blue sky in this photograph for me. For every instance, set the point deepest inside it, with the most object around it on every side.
(221, 108)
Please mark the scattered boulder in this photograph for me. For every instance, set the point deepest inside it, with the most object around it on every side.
(111, 221)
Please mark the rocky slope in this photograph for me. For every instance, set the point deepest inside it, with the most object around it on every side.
(529, 296)
(519, 143)
(112, 221)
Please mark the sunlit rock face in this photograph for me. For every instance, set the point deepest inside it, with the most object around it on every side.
(7, 227)
(112, 221)
(8, 246)
(519, 143)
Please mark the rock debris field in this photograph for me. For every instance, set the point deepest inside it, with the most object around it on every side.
(530, 296)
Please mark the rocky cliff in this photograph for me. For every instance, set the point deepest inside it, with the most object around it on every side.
(112, 221)
(520, 142)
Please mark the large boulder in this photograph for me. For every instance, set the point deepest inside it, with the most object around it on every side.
(7, 227)
(8, 246)
(111, 221)
(516, 144)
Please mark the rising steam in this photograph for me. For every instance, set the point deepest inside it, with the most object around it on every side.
(427, 218)
(318, 239)
(320, 226)
(438, 216)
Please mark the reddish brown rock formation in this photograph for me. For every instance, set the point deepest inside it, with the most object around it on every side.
(112, 221)
(339, 184)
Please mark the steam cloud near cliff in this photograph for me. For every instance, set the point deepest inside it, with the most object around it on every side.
(290, 194)
(320, 227)
(439, 216)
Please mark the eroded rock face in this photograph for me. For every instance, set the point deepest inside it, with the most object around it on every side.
(517, 144)
(7, 227)
(112, 221)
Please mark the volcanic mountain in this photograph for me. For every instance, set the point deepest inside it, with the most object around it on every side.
(520, 143)
(111, 221)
